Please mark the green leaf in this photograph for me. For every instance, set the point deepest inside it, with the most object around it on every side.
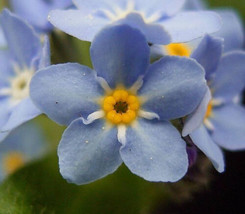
(39, 188)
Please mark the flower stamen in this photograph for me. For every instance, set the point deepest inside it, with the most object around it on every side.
(178, 49)
(121, 107)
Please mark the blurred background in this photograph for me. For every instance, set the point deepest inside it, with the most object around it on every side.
(39, 187)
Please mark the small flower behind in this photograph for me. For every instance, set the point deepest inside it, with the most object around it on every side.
(159, 20)
(119, 112)
(219, 120)
(22, 146)
(22, 57)
(36, 12)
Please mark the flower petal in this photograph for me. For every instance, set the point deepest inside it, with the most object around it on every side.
(126, 58)
(4, 113)
(155, 151)
(23, 112)
(65, 92)
(164, 7)
(204, 142)
(94, 5)
(36, 12)
(27, 141)
(6, 70)
(186, 26)
(75, 23)
(229, 80)
(231, 31)
(88, 152)
(173, 87)
(45, 55)
(229, 126)
(3, 43)
(195, 119)
(195, 5)
(208, 54)
(154, 33)
(22, 41)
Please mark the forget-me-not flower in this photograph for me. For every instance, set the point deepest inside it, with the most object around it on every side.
(232, 28)
(231, 31)
(127, 103)
(159, 20)
(219, 121)
(36, 11)
(22, 146)
(24, 55)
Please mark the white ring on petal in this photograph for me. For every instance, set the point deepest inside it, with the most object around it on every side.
(104, 85)
(208, 124)
(121, 134)
(148, 115)
(94, 116)
(137, 85)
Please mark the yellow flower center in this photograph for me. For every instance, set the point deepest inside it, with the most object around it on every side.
(178, 49)
(121, 107)
(209, 110)
(12, 162)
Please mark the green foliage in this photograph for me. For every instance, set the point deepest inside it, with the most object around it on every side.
(238, 5)
(39, 188)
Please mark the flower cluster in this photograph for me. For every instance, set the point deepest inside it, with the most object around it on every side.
(154, 62)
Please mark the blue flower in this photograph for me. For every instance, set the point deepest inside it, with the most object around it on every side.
(232, 28)
(127, 103)
(219, 120)
(231, 31)
(22, 146)
(36, 12)
(159, 20)
(24, 55)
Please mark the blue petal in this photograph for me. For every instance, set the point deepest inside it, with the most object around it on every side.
(186, 26)
(154, 33)
(208, 54)
(22, 141)
(88, 152)
(229, 80)
(229, 123)
(65, 92)
(22, 113)
(36, 12)
(22, 41)
(94, 5)
(164, 7)
(232, 30)
(155, 151)
(4, 116)
(195, 5)
(4, 113)
(77, 24)
(173, 87)
(195, 119)
(204, 142)
(28, 138)
(6, 70)
(127, 55)
(45, 56)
